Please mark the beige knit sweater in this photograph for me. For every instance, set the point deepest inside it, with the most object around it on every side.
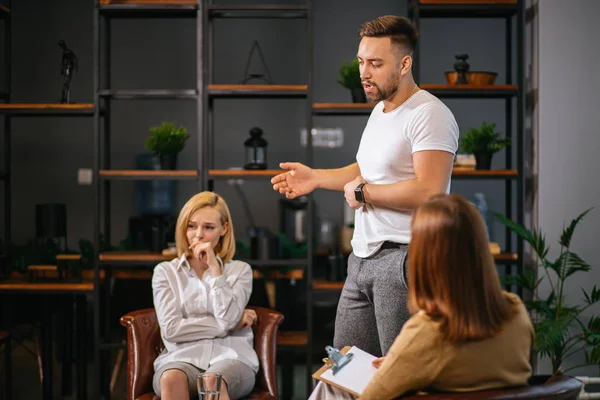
(420, 359)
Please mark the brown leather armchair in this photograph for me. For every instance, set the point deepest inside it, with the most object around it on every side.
(555, 388)
(144, 344)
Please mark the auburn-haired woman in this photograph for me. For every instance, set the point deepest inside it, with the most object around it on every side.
(465, 333)
(200, 299)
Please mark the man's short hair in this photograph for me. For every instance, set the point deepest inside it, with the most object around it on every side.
(400, 30)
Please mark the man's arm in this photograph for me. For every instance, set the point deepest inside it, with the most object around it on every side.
(335, 179)
(433, 169)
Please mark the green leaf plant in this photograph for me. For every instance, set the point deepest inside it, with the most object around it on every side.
(560, 329)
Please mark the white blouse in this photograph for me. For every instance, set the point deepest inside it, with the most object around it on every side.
(196, 315)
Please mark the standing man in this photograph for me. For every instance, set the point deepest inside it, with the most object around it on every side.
(405, 155)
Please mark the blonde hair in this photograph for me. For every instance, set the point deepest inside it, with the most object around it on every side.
(226, 246)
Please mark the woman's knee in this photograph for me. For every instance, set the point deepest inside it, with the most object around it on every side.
(173, 378)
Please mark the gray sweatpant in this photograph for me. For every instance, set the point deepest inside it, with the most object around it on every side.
(373, 304)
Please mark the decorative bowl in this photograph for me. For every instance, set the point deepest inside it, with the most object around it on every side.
(473, 77)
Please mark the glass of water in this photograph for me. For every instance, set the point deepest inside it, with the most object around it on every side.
(209, 386)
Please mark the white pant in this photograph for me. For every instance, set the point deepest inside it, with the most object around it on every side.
(324, 391)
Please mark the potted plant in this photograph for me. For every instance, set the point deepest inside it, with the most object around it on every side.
(349, 77)
(166, 141)
(483, 142)
(560, 329)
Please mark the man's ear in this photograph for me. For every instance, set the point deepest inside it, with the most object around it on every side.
(406, 64)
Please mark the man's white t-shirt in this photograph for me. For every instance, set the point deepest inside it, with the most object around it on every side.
(384, 156)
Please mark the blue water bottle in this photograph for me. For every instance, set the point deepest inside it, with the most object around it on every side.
(482, 206)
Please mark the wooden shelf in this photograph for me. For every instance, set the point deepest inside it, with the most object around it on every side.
(292, 274)
(257, 10)
(282, 262)
(443, 90)
(468, 90)
(87, 275)
(292, 338)
(147, 174)
(242, 173)
(257, 90)
(46, 109)
(463, 2)
(68, 257)
(460, 172)
(506, 257)
(321, 284)
(150, 10)
(152, 2)
(42, 268)
(498, 257)
(133, 257)
(141, 94)
(46, 286)
(466, 8)
(343, 108)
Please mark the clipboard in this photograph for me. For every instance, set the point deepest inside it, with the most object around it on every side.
(361, 362)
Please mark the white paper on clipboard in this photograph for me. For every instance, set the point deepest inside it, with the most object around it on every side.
(356, 375)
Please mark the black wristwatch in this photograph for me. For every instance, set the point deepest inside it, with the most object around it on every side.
(358, 193)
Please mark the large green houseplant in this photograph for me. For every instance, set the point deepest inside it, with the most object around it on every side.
(166, 141)
(560, 328)
(483, 142)
(349, 77)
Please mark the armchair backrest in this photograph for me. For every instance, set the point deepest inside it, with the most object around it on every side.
(144, 344)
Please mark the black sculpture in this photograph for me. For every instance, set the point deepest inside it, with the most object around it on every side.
(250, 76)
(69, 65)
(462, 67)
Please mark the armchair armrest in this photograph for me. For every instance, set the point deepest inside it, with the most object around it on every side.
(144, 344)
(265, 345)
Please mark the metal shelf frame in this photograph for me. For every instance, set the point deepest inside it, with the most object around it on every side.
(5, 182)
(513, 14)
(104, 94)
(210, 92)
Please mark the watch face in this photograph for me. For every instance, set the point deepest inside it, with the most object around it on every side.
(358, 194)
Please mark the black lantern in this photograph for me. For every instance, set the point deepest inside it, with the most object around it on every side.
(256, 150)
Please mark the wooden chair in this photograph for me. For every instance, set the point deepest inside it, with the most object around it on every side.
(144, 344)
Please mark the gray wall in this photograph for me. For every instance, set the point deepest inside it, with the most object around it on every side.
(161, 54)
(567, 123)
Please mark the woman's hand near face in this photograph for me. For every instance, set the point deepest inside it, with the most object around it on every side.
(204, 252)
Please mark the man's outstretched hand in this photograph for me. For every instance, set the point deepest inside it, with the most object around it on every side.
(297, 181)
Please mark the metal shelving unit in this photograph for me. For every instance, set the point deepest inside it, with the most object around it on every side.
(5, 17)
(107, 264)
(513, 13)
(212, 91)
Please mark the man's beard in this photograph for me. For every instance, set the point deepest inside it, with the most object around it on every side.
(385, 92)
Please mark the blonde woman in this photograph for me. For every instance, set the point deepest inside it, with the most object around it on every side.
(200, 299)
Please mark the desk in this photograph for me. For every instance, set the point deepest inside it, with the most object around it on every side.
(48, 290)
